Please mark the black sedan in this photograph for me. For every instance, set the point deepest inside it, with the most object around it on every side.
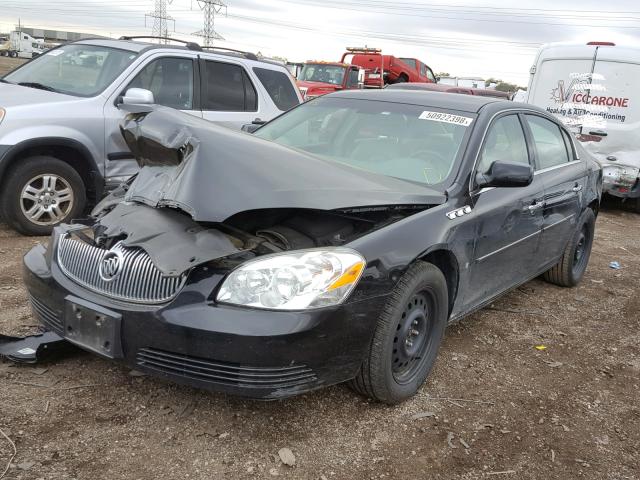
(334, 244)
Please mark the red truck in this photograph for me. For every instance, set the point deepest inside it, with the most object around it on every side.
(381, 70)
(320, 78)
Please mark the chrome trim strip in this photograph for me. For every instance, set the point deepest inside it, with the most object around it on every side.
(484, 257)
(548, 169)
(558, 222)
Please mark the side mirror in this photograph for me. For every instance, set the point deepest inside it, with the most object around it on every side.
(505, 174)
(138, 96)
(253, 126)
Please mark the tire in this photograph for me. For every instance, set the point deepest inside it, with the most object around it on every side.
(401, 79)
(13, 54)
(570, 269)
(42, 187)
(407, 337)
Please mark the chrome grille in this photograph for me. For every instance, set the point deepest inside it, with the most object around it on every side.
(138, 281)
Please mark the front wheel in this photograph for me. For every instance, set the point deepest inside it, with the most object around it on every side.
(570, 269)
(41, 192)
(407, 337)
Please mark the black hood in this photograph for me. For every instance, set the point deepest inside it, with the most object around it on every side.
(212, 172)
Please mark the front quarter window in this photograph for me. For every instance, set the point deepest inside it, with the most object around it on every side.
(75, 69)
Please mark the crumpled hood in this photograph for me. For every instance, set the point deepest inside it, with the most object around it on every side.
(17, 95)
(212, 172)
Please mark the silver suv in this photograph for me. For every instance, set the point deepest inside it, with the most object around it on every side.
(60, 141)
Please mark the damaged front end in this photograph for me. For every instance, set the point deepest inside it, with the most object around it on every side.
(225, 263)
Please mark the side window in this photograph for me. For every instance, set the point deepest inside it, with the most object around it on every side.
(505, 141)
(279, 87)
(431, 76)
(353, 77)
(170, 80)
(228, 88)
(423, 69)
(551, 148)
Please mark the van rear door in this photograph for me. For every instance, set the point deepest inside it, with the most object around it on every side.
(617, 71)
(558, 81)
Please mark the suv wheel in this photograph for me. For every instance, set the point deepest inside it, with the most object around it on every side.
(41, 192)
(408, 334)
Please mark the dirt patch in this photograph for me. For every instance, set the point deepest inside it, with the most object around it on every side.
(7, 64)
(494, 407)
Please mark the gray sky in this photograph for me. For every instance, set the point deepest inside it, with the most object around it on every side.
(462, 37)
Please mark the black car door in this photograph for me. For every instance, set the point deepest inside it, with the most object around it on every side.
(508, 221)
(564, 178)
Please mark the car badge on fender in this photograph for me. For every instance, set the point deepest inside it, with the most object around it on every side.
(111, 265)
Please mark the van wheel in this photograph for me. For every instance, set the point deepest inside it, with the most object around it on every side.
(407, 337)
(401, 79)
(41, 192)
(569, 270)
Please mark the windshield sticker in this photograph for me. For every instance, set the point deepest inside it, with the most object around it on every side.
(55, 53)
(446, 118)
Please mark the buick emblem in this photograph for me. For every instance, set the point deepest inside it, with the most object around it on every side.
(111, 265)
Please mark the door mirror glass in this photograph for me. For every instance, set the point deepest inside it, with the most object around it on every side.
(138, 96)
(505, 174)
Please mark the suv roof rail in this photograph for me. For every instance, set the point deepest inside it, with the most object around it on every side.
(189, 45)
(248, 55)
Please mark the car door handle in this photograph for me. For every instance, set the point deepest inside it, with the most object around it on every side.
(534, 207)
(577, 188)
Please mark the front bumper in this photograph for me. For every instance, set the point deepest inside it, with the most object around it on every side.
(193, 341)
(621, 180)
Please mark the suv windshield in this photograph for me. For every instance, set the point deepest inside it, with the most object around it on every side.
(76, 69)
(317, 72)
(412, 142)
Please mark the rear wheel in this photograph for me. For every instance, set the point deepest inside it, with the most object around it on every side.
(41, 192)
(570, 269)
(402, 79)
(408, 335)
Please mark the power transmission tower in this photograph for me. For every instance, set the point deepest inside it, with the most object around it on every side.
(210, 9)
(160, 19)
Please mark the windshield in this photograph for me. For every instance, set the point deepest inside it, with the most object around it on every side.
(314, 72)
(416, 143)
(76, 69)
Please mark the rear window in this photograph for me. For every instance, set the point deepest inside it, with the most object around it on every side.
(409, 61)
(279, 87)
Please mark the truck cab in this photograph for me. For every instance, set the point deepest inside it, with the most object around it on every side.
(319, 78)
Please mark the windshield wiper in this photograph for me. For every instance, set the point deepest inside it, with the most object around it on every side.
(2, 80)
(37, 85)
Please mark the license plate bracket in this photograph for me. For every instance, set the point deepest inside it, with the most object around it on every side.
(92, 327)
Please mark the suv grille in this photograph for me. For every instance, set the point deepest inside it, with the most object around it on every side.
(138, 279)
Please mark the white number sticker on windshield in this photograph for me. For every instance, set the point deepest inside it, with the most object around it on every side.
(55, 53)
(446, 118)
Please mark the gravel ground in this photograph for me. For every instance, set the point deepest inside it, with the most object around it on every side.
(494, 406)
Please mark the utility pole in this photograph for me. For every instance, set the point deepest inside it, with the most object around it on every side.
(210, 9)
(160, 19)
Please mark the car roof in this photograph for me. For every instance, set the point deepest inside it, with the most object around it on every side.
(453, 101)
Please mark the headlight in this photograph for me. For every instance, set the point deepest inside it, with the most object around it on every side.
(294, 280)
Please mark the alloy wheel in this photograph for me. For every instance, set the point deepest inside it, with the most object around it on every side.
(46, 199)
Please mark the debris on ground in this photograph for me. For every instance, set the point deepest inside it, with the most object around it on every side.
(287, 457)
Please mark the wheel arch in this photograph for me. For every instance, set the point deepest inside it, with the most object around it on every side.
(67, 150)
(445, 260)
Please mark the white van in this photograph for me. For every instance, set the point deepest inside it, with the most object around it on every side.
(593, 88)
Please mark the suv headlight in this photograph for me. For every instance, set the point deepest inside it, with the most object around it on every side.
(294, 280)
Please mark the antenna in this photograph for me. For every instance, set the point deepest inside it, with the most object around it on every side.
(210, 9)
(160, 19)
